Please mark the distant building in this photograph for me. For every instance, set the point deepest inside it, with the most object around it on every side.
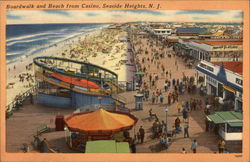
(162, 32)
(158, 30)
(190, 31)
(224, 80)
(216, 51)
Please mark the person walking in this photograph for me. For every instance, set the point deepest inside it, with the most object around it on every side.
(179, 106)
(164, 126)
(142, 134)
(177, 123)
(186, 126)
(221, 145)
(161, 98)
(169, 98)
(133, 146)
(153, 98)
(184, 114)
(194, 146)
(138, 137)
(166, 86)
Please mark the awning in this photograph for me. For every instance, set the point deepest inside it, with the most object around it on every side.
(216, 119)
(238, 115)
(234, 119)
(228, 115)
(229, 89)
(235, 124)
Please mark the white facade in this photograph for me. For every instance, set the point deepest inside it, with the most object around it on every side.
(232, 136)
(214, 86)
(162, 32)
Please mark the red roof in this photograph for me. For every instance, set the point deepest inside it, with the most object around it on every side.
(236, 67)
(172, 40)
(215, 43)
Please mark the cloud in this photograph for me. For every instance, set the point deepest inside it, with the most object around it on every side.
(239, 15)
(120, 16)
(204, 12)
(57, 12)
(92, 14)
(199, 18)
(13, 17)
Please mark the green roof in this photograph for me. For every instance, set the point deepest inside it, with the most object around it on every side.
(227, 115)
(216, 119)
(107, 146)
(235, 124)
(238, 115)
(231, 117)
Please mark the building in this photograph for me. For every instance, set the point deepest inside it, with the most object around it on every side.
(162, 32)
(190, 31)
(229, 124)
(224, 80)
(216, 50)
(158, 30)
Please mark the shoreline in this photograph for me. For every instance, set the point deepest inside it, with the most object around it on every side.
(111, 60)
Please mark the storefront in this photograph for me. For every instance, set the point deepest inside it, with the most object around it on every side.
(212, 85)
(224, 81)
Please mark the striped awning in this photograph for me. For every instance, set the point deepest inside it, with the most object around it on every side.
(229, 89)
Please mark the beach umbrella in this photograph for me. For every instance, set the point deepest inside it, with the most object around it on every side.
(140, 73)
(100, 122)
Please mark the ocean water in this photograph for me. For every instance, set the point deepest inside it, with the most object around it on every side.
(27, 39)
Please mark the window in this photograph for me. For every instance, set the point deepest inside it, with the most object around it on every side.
(233, 129)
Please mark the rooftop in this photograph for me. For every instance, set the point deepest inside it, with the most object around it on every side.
(191, 30)
(233, 118)
(236, 67)
(216, 43)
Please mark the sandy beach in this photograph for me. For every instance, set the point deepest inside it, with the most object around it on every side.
(99, 47)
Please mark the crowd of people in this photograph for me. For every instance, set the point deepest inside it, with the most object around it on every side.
(149, 60)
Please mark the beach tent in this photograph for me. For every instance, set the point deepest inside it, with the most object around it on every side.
(100, 122)
(107, 146)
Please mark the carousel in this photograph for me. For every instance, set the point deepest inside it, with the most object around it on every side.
(97, 125)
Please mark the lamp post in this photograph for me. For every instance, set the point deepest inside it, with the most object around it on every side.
(166, 110)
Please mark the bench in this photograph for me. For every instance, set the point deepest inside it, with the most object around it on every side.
(151, 115)
(165, 144)
(42, 128)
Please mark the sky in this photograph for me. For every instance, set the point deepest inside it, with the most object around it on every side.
(116, 16)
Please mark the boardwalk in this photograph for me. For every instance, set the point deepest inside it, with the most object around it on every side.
(207, 141)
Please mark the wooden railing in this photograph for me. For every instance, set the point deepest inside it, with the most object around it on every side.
(18, 101)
